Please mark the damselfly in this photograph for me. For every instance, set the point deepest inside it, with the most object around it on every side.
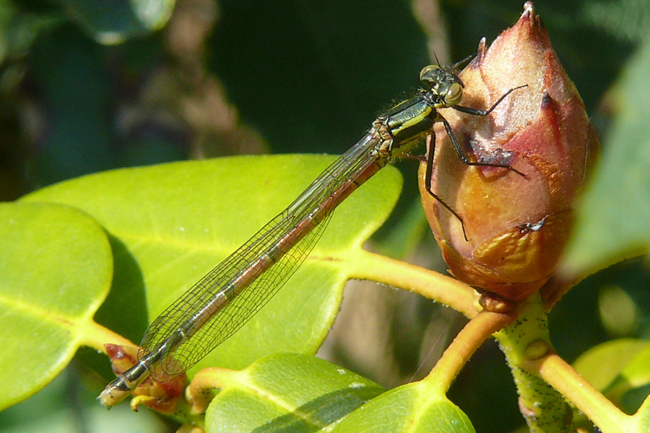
(230, 294)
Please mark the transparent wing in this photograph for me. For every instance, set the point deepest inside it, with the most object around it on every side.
(235, 290)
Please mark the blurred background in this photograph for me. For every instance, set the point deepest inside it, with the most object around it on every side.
(87, 86)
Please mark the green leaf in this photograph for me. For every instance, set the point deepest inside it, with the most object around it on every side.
(633, 376)
(416, 407)
(55, 271)
(287, 392)
(602, 363)
(173, 223)
(616, 368)
(115, 21)
(299, 393)
(613, 217)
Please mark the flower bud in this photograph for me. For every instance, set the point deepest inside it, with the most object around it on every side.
(515, 221)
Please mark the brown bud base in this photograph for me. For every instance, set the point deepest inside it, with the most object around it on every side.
(495, 303)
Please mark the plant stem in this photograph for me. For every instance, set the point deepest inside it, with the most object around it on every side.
(578, 391)
(96, 336)
(201, 390)
(432, 285)
(479, 329)
(526, 339)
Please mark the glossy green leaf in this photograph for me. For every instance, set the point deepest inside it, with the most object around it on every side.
(633, 379)
(617, 367)
(172, 223)
(601, 364)
(416, 407)
(55, 271)
(115, 21)
(614, 214)
(637, 371)
(288, 392)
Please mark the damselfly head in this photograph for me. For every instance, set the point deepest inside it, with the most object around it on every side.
(444, 83)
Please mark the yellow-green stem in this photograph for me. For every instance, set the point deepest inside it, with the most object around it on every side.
(201, 390)
(527, 339)
(479, 329)
(432, 285)
(585, 397)
(96, 336)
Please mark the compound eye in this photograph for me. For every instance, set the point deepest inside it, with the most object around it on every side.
(454, 94)
(429, 76)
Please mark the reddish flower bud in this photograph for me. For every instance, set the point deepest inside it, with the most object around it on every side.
(516, 221)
